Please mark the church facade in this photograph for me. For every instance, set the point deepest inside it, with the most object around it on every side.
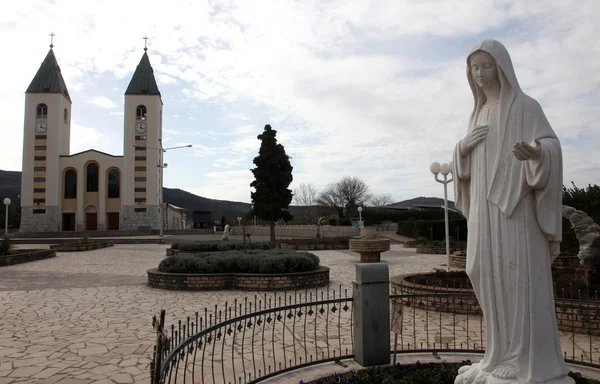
(90, 190)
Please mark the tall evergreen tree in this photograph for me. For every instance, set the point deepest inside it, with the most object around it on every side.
(272, 178)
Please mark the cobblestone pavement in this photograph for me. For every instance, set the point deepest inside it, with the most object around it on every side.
(85, 317)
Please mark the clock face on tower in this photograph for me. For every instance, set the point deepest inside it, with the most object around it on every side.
(41, 127)
(140, 127)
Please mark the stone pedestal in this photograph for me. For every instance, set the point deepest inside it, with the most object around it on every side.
(369, 249)
(371, 308)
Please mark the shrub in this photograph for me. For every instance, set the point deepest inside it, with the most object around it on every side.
(428, 373)
(222, 246)
(274, 261)
(6, 246)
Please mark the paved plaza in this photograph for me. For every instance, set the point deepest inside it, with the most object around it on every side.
(86, 317)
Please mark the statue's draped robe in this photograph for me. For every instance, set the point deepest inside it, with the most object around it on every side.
(514, 221)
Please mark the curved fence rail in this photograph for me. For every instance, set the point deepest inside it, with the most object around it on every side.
(253, 339)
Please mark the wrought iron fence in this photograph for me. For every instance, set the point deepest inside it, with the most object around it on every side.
(253, 339)
(452, 322)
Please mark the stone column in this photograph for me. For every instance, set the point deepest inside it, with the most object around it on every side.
(80, 214)
(102, 189)
(371, 306)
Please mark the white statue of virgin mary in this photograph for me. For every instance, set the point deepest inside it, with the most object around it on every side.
(508, 183)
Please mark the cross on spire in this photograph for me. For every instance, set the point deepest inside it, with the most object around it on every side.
(146, 43)
(52, 39)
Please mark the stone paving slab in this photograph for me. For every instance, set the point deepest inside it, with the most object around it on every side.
(85, 317)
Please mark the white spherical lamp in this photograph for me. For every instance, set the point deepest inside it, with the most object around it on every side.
(445, 169)
(435, 168)
(7, 201)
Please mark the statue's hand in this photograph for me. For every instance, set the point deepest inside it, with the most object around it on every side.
(474, 137)
(524, 151)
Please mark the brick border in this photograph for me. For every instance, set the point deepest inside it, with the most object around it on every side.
(461, 305)
(369, 249)
(243, 281)
(572, 316)
(26, 256)
(82, 247)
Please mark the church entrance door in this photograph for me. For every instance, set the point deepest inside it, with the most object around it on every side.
(91, 218)
(68, 222)
(112, 218)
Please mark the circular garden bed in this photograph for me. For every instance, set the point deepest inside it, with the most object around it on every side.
(264, 269)
(580, 316)
(243, 281)
(418, 373)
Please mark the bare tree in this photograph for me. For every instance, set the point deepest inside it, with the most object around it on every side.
(349, 193)
(305, 197)
(380, 201)
(331, 199)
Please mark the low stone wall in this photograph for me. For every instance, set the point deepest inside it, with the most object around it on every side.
(458, 260)
(436, 249)
(312, 247)
(172, 252)
(25, 256)
(576, 317)
(572, 316)
(305, 231)
(245, 281)
(462, 305)
(81, 247)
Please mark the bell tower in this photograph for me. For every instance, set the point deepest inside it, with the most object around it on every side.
(46, 136)
(142, 152)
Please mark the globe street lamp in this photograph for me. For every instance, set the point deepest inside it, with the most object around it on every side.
(162, 166)
(360, 226)
(444, 169)
(7, 203)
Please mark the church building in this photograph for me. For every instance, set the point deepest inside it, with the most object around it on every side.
(90, 190)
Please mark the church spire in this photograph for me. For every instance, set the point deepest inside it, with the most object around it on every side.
(48, 78)
(143, 81)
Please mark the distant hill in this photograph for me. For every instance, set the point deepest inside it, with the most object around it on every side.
(10, 186)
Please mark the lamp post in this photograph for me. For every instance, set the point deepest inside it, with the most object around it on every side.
(239, 221)
(360, 226)
(444, 169)
(162, 166)
(7, 203)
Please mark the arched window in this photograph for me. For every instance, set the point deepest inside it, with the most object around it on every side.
(66, 116)
(140, 112)
(70, 184)
(114, 184)
(92, 177)
(41, 111)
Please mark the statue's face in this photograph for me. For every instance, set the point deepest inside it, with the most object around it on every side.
(483, 69)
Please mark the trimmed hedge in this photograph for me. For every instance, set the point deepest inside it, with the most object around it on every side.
(273, 261)
(220, 246)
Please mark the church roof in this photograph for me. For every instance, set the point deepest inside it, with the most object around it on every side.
(143, 81)
(48, 78)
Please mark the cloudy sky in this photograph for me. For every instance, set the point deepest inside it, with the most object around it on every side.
(374, 89)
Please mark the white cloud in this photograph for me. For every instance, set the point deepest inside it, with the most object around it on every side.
(353, 87)
(84, 138)
(103, 102)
